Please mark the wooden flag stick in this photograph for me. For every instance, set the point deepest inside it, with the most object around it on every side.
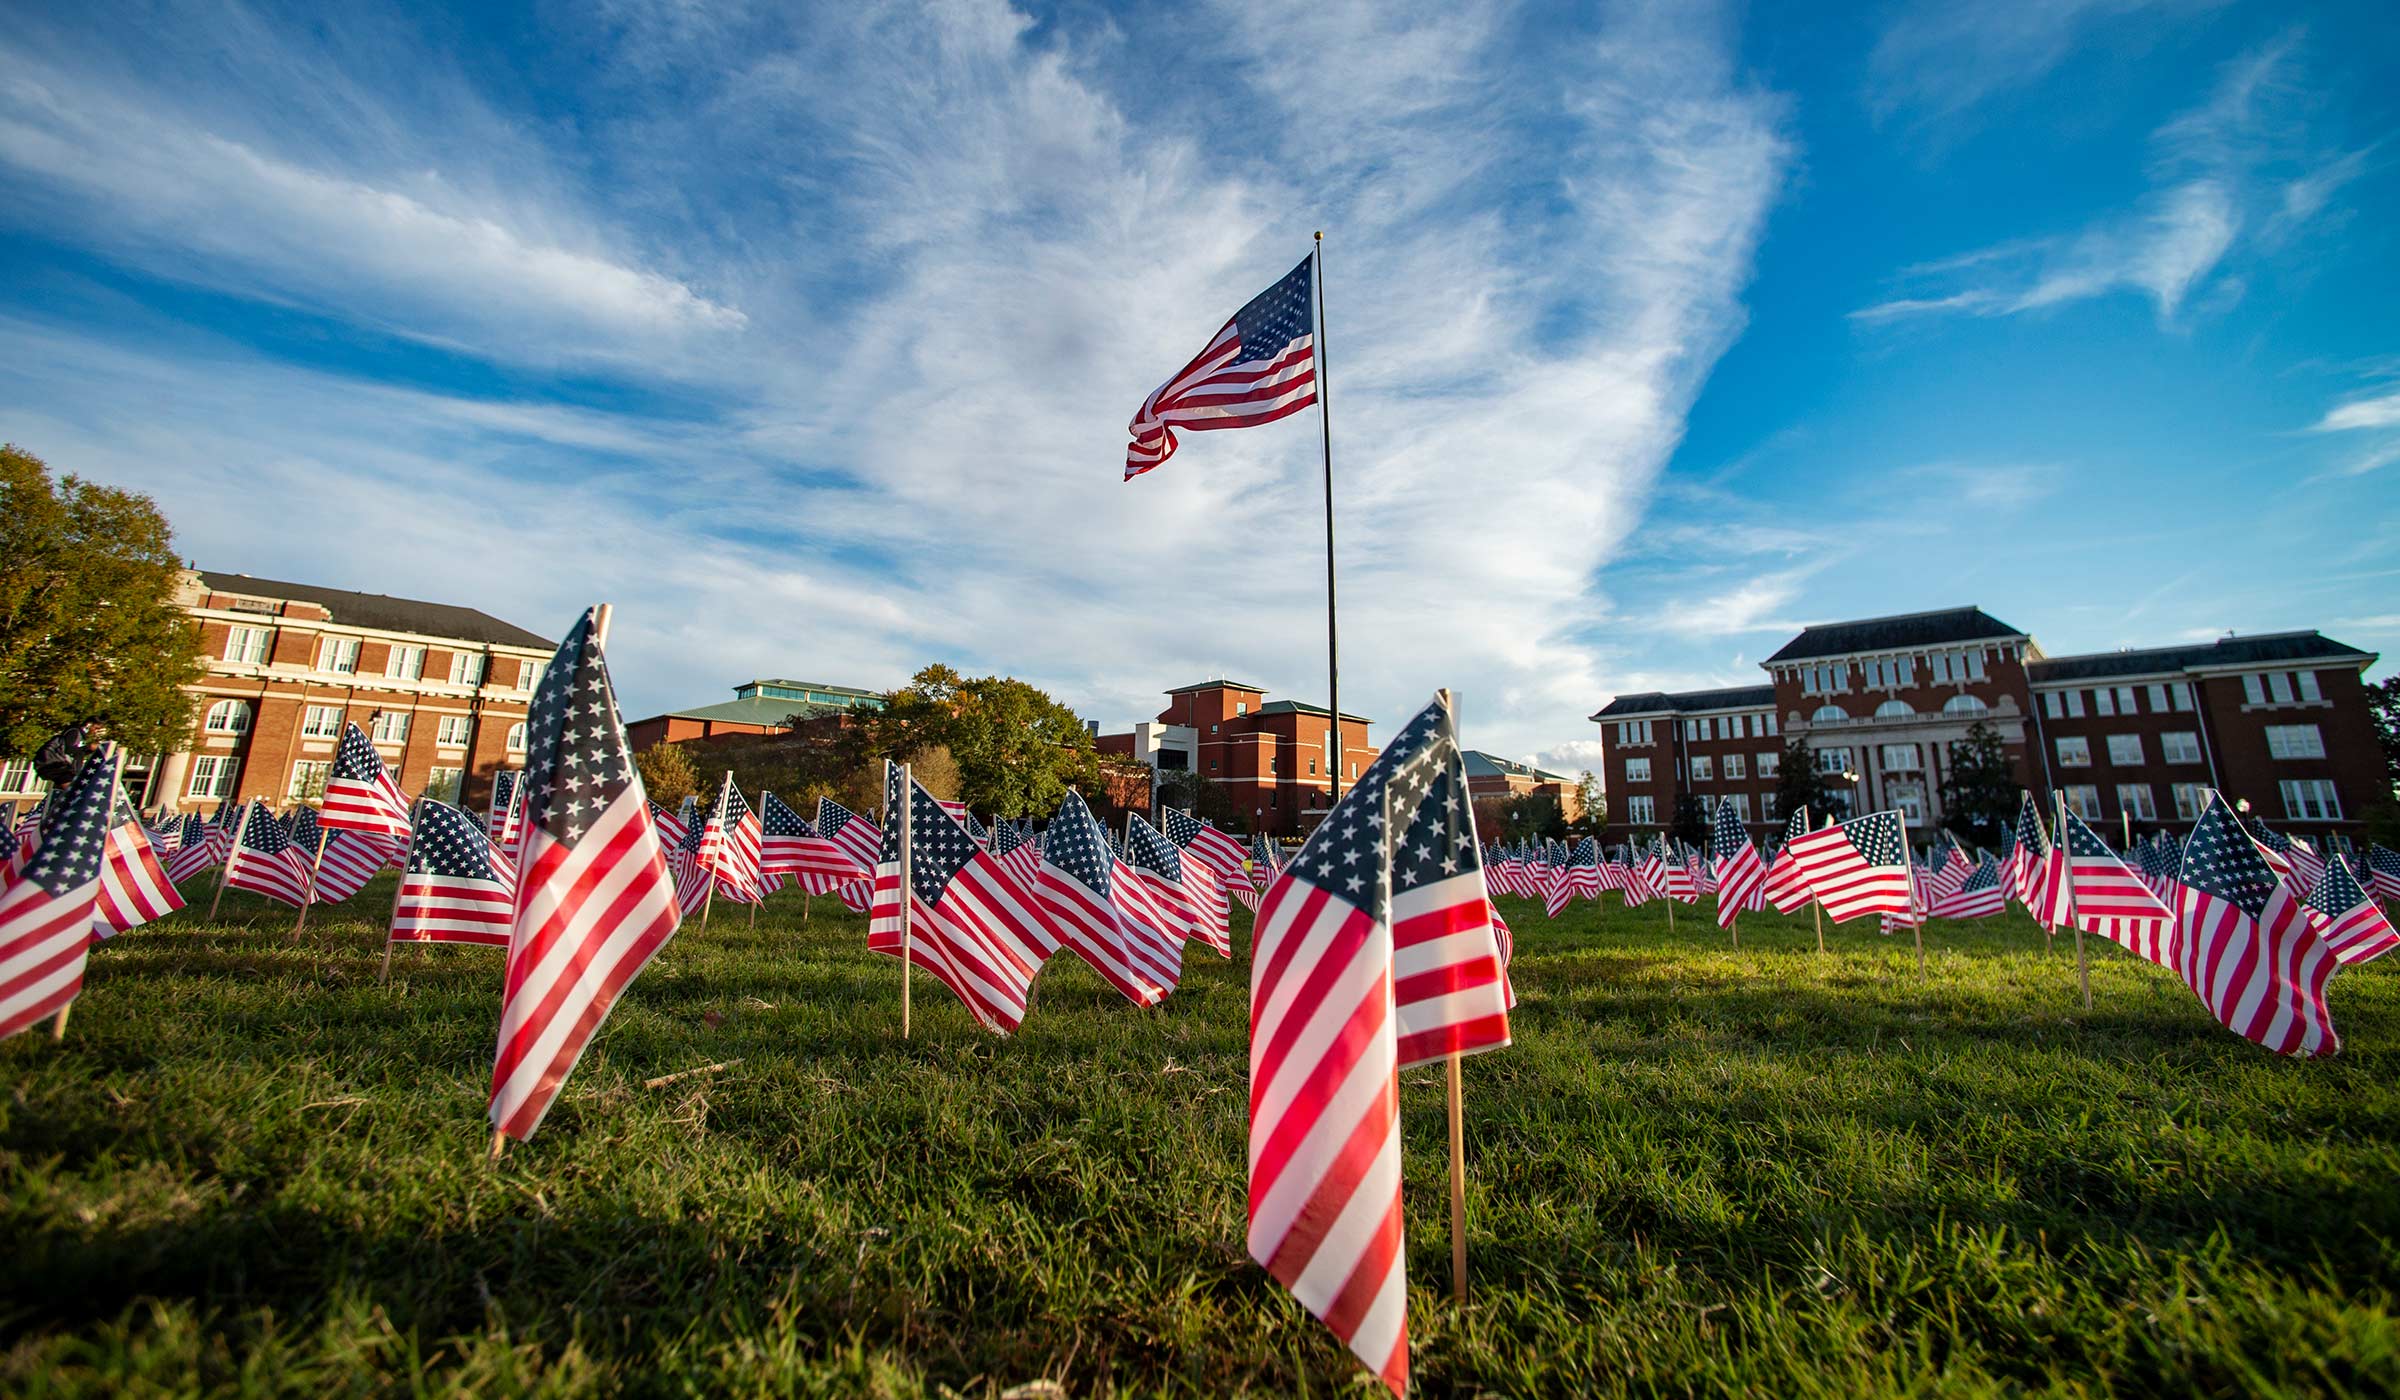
(499, 1145)
(1734, 928)
(58, 1028)
(116, 776)
(225, 871)
(416, 812)
(1458, 1186)
(708, 892)
(2058, 851)
(908, 794)
(309, 896)
(1908, 865)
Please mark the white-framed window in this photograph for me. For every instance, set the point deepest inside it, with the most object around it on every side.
(2104, 701)
(405, 663)
(1831, 761)
(247, 643)
(16, 776)
(2179, 746)
(1640, 810)
(1703, 768)
(1830, 714)
(2125, 701)
(1893, 709)
(450, 730)
(2074, 751)
(228, 717)
(516, 739)
(1240, 707)
(1767, 722)
(1899, 758)
(308, 779)
(2083, 800)
(321, 722)
(529, 674)
(1770, 764)
(390, 727)
(2133, 799)
(1964, 705)
(1734, 766)
(466, 668)
(2254, 689)
(2158, 699)
(212, 776)
(1741, 805)
(2125, 750)
(2279, 687)
(2182, 696)
(2191, 799)
(2294, 741)
(1633, 732)
(2307, 681)
(1637, 770)
(2311, 799)
(338, 654)
(442, 784)
(2074, 702)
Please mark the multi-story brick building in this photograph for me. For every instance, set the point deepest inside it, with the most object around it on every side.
(2128, 737)
(441, 690)
(1272, 757)
(1490, 775)
(757, 707)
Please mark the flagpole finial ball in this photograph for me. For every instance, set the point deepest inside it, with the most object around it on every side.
(1320, 235)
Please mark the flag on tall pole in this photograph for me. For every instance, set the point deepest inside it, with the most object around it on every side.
(594, 902)
(47, 904)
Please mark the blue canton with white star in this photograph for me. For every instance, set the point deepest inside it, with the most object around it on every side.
(75, 831)
(576, 758)
(2219, 860)
(449, 843)
(1079, 846)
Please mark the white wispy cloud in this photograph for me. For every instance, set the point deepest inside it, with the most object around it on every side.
(2237, 174)
(2374, 411)
(1942, 57)
(921, 323)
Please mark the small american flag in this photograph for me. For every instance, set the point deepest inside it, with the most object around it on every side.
(788, 845)
(1857, 867)
(2037, 875)
(593, 900)
(360, 794)
(2340, 912)
(264, 860)
(1181, 885)
(1979, 896)
(504, 802)
(856, 837)
(2105, 897)
(729, 847)
(450, 891)
(2243, 944)
(1104, 911)
(197, 851)
(670, 827)
(47, 904)
(1786, 887)
(1260, 366)
(2383, 872)
(1741, 875)
(134, 887)
(969, 924)
(1019, 854)
(1219, 852)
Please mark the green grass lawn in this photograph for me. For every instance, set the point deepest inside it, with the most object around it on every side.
(1700, 1170)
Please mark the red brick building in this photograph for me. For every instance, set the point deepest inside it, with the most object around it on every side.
(441, 690)
(1273, 758)
(757, 707)
(2278, 719)
(1489, 775)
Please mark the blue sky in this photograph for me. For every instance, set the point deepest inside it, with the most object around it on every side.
(809, 338)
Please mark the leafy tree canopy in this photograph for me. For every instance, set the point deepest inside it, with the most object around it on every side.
(1798, 784)
(1017, 750)
(1203, 799)
(89, 630)
(1979, 791)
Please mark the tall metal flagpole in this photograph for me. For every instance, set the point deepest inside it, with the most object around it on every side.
(1333, 648)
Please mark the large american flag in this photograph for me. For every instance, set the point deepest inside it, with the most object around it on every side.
(594, 903)
(2105, 897)
(729, 845)
(134, 887)
(1329, 1020)
(1181, 887)
(1741, 875)
(788, 845)
(1857, 867)
(969, 924)
(450, 891)
(360, 794)
(1786, 887)
(47, 903)
(1260, 366)
(1104, 912)
(2243, 944)
(2341, 914)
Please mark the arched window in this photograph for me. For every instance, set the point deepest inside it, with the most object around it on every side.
(1893, 709)
(1830, 714)
(1964, 705)
(229, 717)
(516, 738)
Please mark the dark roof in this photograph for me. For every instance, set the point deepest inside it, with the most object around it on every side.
(1294, 707)
(2225, 651)
(752, 710)
(1219, 685)
(381, 612)
(1650, 702)
(1921, 629)
(1485, 765)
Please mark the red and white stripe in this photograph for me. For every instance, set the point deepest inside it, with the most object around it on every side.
(1218, 390)
(1741, 884)
(351, 859)
(44, 941)
(448, 909)
(2263, 979)
(134, 888)
(1123, 936)
(1842, 879)
(1449, 979)
(2105, 897)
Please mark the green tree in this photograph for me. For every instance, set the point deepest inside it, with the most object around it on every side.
(1798, 784)
(1690, 824)
(667, 774)
(1533, 816)
(1017, 750)
(1203, 799)
(1592, 802)
(1979, 792)
(2383, 706)
(89, 630)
